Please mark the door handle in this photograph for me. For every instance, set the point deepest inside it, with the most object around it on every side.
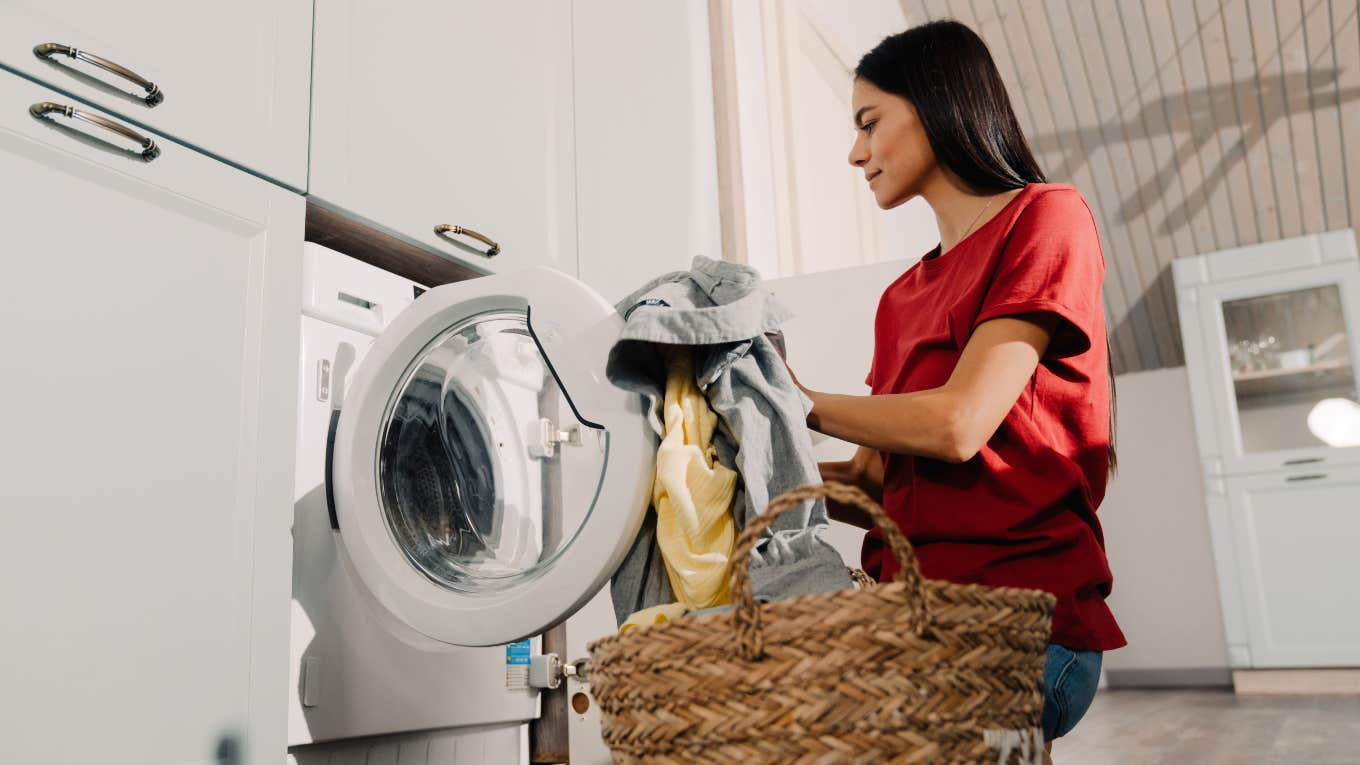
(153, 93)
(1304, 461)
(149, 150)
(493, 249)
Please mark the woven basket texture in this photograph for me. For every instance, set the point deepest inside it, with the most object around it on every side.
(910, 671)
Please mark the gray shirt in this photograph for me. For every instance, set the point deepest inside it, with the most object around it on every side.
(724, 312)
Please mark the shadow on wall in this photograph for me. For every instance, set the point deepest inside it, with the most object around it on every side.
(1189, 116)
(1135, 330)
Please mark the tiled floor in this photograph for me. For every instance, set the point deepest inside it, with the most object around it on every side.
(1134, 727)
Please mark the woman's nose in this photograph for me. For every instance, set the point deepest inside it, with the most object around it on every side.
(858, 153)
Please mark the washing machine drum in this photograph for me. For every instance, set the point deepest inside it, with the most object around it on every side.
(438, 487)
(460, 486)
(486, 478)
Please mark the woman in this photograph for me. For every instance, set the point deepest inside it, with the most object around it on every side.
(988, 434)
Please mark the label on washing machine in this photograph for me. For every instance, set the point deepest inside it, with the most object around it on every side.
(517, 666)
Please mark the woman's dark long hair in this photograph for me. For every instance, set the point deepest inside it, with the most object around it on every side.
(947, 74)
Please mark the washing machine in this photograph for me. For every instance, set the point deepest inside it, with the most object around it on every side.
(467, 478)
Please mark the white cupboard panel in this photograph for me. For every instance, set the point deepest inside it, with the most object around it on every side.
(646, 162)
(456, 113)
(1226, 567)
(1295, 535)
(149, 327)
(234, 77)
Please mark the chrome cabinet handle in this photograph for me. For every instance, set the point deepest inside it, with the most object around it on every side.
(493, 249)
(153, 93)
(1309, 477)
(1304, 461)
(149, 148)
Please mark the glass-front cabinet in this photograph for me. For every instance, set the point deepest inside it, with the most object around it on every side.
(1271, 348)
(1290, 363)
(1272, 339)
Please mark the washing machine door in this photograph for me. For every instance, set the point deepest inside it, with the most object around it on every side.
(486, 478)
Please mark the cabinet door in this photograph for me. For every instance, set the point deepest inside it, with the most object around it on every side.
(149, 335)
(234, 77)
(1274, 360)
(452, 113)
(1295, 536)
(647, 193)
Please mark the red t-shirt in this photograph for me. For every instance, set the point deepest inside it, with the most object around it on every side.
(1022, 512)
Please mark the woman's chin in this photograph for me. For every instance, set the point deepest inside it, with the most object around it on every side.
(889, 202)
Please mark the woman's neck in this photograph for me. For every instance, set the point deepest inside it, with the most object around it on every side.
(960, 211)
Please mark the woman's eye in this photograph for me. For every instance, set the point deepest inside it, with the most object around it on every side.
(869, 126)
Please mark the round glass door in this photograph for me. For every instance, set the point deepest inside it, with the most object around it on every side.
(462, 464)
(487, 478)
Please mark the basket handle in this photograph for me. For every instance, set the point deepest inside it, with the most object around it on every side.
(746, 612)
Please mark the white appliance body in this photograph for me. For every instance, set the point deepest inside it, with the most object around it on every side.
(380, 647)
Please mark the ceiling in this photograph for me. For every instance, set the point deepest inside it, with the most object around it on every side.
(1189, 125)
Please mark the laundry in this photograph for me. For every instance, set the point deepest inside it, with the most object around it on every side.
(722, 312)
(650, 617)
(692, 495)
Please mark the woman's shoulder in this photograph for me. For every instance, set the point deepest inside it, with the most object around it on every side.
(1053, 205)
(1053, 196)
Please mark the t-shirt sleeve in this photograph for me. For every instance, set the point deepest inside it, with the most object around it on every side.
(1051, 264)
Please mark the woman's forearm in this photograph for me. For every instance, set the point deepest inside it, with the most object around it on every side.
(865, 471)
(951, 422)
(929, 423)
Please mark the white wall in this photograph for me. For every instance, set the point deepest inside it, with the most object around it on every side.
(1157, 533)
(830, 341)
(804, 208)
(850, 31)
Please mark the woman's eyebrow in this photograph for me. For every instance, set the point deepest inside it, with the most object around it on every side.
(859, 115)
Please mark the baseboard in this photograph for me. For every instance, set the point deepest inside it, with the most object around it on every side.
(1189, 677)
(1296, 682)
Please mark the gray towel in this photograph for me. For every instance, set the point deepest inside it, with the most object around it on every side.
(724, 312)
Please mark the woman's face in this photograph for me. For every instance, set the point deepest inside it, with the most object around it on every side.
(890, 145)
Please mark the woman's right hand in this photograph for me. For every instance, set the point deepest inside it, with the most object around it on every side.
(865, 471)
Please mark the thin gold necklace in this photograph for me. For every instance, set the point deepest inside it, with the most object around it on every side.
(975, 218)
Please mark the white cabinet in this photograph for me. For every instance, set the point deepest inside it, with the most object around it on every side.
(1271, 331)
(455, 113)
(647, 195)
(234, 78)
(576, 135)
(1272, 346)
(1294, 536)
(150, 363)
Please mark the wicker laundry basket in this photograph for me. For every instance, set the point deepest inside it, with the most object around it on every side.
(912, 671)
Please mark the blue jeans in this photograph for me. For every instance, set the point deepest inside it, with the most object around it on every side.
(1070, 680)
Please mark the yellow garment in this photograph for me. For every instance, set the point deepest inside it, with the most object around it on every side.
(692, 493)
(654, 615)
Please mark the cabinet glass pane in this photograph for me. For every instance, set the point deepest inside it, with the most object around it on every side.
(1291, 370)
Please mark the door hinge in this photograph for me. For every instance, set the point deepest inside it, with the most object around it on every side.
(544, 438)
(548, 670)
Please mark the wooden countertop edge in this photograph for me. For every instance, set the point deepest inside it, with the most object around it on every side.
(343, 234)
